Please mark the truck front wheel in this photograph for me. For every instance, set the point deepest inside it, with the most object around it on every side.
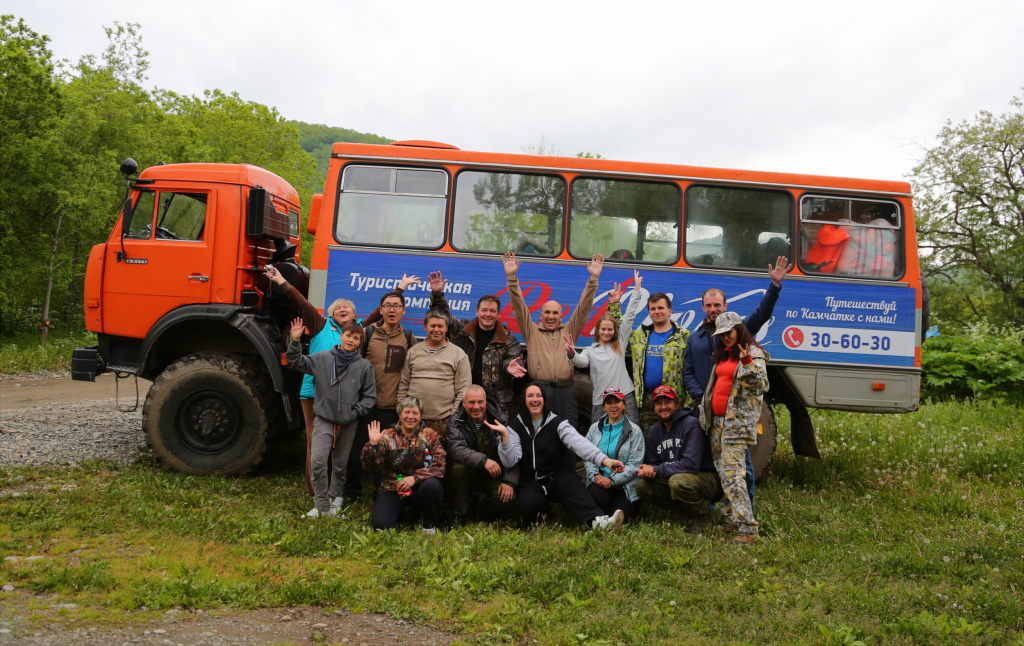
(204, 415)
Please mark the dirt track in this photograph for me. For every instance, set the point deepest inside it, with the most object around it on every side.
(23, 392)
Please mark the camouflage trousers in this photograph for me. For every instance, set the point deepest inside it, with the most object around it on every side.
(439, 426)
(472, 489)
(731, 464)
(690, 493)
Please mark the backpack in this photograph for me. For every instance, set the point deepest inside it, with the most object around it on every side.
(370, 329)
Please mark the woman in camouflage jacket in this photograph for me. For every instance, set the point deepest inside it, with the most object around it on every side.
(729, 414)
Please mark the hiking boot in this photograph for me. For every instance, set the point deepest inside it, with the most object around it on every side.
(729, 528)
(745, 539)
(608, 523)
(699, 524)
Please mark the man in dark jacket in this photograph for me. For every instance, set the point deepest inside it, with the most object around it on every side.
(475, 474)
(697, 362)
(678, 471)
(495, 355)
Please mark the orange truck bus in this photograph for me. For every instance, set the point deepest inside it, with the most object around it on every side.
(846, 330)
(177, 295)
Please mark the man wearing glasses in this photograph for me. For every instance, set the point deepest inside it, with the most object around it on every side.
(385, 346)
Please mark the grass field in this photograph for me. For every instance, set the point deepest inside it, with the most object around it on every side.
(909, 531)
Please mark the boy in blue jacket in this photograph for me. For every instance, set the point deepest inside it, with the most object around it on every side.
(678, 471)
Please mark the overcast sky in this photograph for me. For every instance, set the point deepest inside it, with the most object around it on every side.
(826, 87)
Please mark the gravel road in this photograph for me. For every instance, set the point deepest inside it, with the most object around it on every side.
(54, 421)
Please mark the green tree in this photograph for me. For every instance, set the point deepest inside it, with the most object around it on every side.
(969, 194)
(29, 100)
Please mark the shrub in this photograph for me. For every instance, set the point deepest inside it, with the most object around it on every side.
(984, 362)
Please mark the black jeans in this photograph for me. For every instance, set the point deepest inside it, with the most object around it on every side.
(426, 496)
(615, 498)
(354, 482)
(565, 487)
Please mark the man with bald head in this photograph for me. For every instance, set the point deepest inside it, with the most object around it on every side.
(475, 478)
(546, 363)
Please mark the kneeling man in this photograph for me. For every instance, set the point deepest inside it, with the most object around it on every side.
(678, 471)
(475, 474)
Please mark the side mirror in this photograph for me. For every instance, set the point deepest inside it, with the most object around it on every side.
(127, 211)
(314, 212)
(262, 220)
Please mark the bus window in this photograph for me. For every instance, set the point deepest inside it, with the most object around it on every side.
(498, 211)
(624, 220)
(850, 236)
(384, 205)
(737, 227)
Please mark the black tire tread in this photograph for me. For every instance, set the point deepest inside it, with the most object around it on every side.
(231, 364)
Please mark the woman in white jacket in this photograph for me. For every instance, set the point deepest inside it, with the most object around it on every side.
(606, 357)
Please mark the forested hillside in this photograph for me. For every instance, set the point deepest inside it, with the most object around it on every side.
(64, 130)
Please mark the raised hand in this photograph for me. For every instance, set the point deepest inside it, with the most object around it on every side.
(498, 428)
(615, 465)
(570, 349)
(373, 430)
(296, 329)
(516, 368)
(744, 351)
(511, 264)
(408, 280)
(274, 275)
(615, 295)
(779, 271)
(637, 279)
(436, 281)
(595, 265)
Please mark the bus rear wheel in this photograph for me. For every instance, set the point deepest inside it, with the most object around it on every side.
(206, 414)
(761, 453)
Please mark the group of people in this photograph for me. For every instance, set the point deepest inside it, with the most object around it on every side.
(436, 425)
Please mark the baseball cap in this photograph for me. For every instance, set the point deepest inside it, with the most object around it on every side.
(663, 391)
(612, 392)
(726, 321)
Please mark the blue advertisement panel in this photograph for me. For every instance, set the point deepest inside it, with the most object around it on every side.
(821, 322)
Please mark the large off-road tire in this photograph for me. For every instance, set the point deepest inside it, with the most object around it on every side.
(761, 453)
(207, 414)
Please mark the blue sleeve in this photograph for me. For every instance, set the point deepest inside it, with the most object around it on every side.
(693, 386)
(764, 311)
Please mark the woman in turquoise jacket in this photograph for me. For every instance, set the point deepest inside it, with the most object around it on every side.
(620, 439)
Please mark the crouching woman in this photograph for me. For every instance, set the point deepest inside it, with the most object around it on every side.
(545, 446)
(729, 414)
(410, 459)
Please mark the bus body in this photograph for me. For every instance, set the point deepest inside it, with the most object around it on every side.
(846, 329)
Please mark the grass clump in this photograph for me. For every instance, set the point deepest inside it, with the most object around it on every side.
(24, 354)
(906, 532)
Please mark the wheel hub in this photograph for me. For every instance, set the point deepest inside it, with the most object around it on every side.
(209, 421)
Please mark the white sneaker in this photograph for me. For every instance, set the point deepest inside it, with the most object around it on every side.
(429, 531)
(608, 523)
(337, 503)
(316, 513)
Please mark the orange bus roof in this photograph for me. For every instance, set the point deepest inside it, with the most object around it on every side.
(420, 151)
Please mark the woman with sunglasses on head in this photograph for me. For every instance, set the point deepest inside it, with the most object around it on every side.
(606, 357)
(618, 437)
(729, 414)
(545, 446)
